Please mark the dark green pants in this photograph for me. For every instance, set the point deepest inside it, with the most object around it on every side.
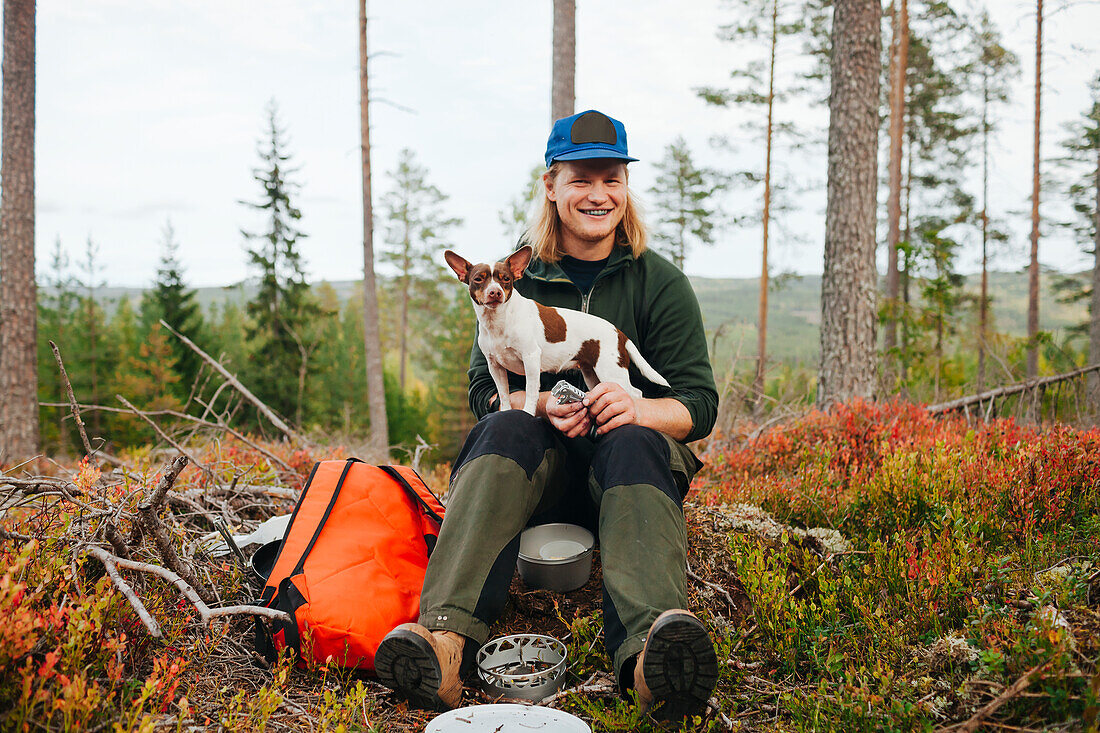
(515, 471)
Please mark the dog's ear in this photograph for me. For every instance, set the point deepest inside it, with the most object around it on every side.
(459, 264)
(517, 261)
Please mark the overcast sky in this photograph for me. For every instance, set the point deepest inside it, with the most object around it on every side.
(150, 110)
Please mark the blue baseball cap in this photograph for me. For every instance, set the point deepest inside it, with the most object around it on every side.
(586, 135)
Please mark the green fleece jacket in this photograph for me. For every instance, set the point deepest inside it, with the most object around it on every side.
(650, 301)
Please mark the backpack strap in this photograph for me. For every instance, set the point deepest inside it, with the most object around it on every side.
(428, 501)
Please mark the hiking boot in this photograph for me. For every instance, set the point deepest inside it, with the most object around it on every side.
(422, 666)
(677, 669)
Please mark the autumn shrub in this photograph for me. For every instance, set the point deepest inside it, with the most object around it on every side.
(952, 524)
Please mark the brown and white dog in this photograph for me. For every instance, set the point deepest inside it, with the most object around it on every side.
(522, 336)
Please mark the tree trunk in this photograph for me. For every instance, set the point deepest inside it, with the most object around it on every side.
(376, 391)
(18, 296)
(565, 59)
(1094, 310)
(762, 330)
(1033, 267)
(983, 301)
(899, 65)
(905, 275)
(849, 281)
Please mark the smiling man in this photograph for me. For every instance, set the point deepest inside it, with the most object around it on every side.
(625, 480)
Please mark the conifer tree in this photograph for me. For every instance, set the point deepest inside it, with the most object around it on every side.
(283, 310)
(91, 359)
(417, 229)
(171, 300)
(1081, 163)
(57, 310)
(996, 65)
(764, 84)
(683, 201)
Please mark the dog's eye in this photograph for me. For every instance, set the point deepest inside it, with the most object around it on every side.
(504, 278)
(478, 278)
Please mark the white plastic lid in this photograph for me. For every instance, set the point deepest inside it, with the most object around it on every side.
(506, 718)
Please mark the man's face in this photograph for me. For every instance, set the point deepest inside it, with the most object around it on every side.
(591, 197)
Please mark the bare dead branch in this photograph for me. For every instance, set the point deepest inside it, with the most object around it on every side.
(72, 401)
(202, 466)
(1014, 690)
(118, 544)
(198, 421)
(1032, 385)
(266, 411)
(112, 563)
(167, 478)
(151, 523)
(7, 534)
(713, 586)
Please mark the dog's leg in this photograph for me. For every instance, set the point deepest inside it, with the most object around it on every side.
(610, 371)
(500, 379)
(590, 378)
(532, 369)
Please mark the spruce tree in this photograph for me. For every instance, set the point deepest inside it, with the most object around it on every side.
(683, 199)
(417, 230)
(1081, 164)
(171, 300)
(283, 311)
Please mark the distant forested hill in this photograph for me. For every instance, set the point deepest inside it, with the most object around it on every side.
(729, 311)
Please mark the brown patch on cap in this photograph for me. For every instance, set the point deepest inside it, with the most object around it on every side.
(624, 357)
(589, 353)
(552, 324)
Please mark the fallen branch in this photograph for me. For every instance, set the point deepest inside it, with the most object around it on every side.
(112, 564)
(264, 409)
(202, 466)
(200, 422)
(72, 401)
(976, 720)
(1008, 390)
(147, 510)
(713, 586)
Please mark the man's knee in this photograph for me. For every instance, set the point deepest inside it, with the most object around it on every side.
(511, 433)
(631, 455)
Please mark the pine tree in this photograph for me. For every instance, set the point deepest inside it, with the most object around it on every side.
(1081, 165)
(564, 59)
(91, 362)
(683, 202)
(450, 412)
(996, 66)
(1033, 265)
(171, 300)
(58, 303)
(372, 342)
(760, 83)
(283, 311)
(416, 231)
(18, 300)
(848, 283)
(939, 133)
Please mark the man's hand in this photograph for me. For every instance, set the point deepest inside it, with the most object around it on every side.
(571, 419)
(611, 407)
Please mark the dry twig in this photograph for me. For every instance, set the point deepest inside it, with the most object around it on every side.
(112, 563)
(72, 401)
(976, 720)
(266, 411)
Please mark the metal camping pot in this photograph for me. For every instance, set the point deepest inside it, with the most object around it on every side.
(556, 556)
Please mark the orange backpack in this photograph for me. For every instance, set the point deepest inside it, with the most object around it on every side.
(352, 562)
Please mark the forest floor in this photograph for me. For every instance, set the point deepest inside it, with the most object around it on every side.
(871, 568)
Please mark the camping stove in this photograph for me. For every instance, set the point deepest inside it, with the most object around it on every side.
(522, 666)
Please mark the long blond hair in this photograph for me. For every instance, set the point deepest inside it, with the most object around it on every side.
(544, 231)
